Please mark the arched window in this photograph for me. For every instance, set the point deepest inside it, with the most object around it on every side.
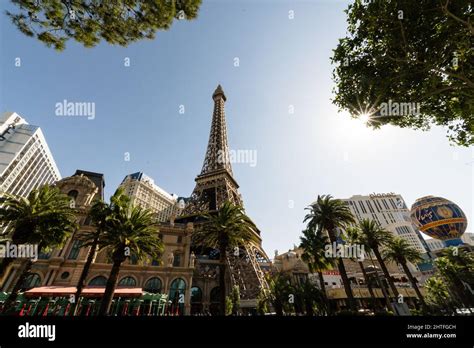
(214, 296)
(31, 281)
(178, 287)
(127, 281)
(73, 194)
(196, 294)
(98, 281)
(153, 285)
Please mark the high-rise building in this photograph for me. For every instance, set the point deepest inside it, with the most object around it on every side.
(145, 193)
(391, 212)
(437, 244)
(25, 159)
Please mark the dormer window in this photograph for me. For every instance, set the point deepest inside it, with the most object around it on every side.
(73, 196)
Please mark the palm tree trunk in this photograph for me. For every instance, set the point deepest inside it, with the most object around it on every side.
(415, 286)
(222, 269)
(385, 272)
(110, 288)
(23, 270)
(369, 286)
(345, 279)
(323, 290)
(84, 273)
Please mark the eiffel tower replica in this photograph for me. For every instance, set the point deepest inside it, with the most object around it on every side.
(216, 185)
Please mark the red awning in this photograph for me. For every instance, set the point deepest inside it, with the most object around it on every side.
(88, 291)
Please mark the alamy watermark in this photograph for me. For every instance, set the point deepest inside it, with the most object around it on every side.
(238, 156)
(19, 251)
(350, 251)
(393, 108)
(68, 108)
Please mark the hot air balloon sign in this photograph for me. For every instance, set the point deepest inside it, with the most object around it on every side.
(439, 218)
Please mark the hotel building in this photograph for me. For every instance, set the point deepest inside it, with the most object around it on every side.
(25, 159)
(391, 212)
(145, 193)
(58, 272)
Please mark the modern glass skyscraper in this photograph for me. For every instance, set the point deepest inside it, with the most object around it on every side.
(25, 159)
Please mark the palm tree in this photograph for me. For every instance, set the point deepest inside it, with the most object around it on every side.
(375, 237)
(99, 213)
(401, 252)
(311, 297)
(456, 266)
(129, 230)
(438, 295)
(354, 236)
(43, 218)
(314, 254)
(228, 228)
(329, 214)
(280, 291)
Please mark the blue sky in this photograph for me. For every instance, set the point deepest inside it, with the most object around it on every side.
(283, 62)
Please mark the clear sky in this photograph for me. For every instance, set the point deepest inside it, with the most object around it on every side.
(283, 63)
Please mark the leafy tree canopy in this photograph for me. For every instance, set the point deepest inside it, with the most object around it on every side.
(119, 22)
(410, 64)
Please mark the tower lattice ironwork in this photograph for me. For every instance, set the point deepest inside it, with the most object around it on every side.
(216, 185)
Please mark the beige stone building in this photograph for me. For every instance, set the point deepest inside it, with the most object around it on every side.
(61, 269)
(292, 264)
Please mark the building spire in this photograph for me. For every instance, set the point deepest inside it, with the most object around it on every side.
(217, 154)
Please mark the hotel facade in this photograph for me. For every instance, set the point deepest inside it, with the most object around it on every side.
(25, 159)
(143, 192)
(58, 272)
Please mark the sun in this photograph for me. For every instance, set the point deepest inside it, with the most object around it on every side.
(364, 117)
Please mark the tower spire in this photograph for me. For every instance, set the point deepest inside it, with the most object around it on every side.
(217, 154)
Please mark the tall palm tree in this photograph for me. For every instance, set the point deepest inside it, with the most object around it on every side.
(314, 254)
(228, 228)
(43, 218)
(280, 291)
(354, 236)
(375, 237)
(401, 252)
(329, 214)
(129, 230)
(99, 213)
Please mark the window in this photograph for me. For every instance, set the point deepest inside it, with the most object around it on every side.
(98, 281)
(177, 260)
(133, 259)
(65, 275)
(31, 281)
(73, 194)
(76, 246)
(127, 281)
(180, 239)
(196, 294)
(153, 285)
(214, 296)
(44, 256)
(177, 290)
